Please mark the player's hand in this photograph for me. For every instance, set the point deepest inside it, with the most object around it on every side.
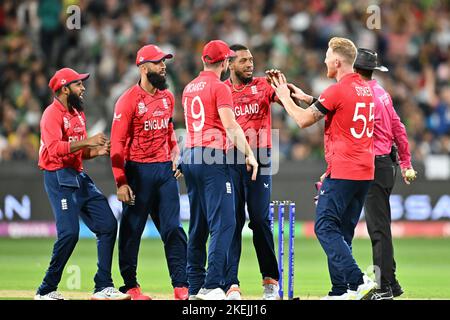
(409, 175)
(279, 84)
(104, 150)
(271, 73)
(322, 177)
(97, 140)
(299, 94)
(176, 172)
(317, 185)
(252, 164)
(126, 195)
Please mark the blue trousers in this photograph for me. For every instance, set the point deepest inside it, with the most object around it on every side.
(337, 214)
(256, 194)
(157, 194)
(210, 192)
(73, 195)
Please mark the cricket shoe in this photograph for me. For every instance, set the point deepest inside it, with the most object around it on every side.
(271, 289)
(193, 297)
(54, 295)
(344, 296)
(382, 294)
(234, 293)
(110, 293)
(397, 290)
(136, 294)
(365, 290)
(181, 293)
(211, 294)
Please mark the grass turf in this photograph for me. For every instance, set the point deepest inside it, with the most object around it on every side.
(423, 268)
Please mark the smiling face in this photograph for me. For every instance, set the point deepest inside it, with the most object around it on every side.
(74, 92)
(242, 66)
(77, 88)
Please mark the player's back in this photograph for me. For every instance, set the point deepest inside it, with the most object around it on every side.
(202, 99)
(349, 126)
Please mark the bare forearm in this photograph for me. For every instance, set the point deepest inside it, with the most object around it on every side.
(78, 145)
(237, 135)
(301, 116)
(90, 153)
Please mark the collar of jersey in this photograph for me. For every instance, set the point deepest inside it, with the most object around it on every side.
(209, 74)
(59, 105)
(349, 75)
(145, 92)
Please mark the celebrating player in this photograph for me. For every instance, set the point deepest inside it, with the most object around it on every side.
(388, 129)
(144, 155)
(252, 97)
(71, 192)
(208, 108)
(348, 109)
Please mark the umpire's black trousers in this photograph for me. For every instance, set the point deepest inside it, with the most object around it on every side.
(378, 219)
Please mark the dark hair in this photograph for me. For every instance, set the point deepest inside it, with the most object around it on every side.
(365, 73)
(237, 47)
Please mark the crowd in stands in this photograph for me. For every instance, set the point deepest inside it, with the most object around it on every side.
(39, 37)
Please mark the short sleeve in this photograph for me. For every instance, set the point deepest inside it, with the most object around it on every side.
(329, 98)
(224, 99)
(172, 101)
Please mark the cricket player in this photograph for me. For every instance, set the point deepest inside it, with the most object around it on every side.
(348, 109)
(388, 129)
(72, 194)
(252, 98)
(144, 155)
(208, 108)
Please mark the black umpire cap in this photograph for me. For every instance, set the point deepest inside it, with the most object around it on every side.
(368, 60)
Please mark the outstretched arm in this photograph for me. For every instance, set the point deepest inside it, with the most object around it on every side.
(303, 117)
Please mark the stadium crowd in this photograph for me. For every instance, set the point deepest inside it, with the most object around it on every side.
(413, 40)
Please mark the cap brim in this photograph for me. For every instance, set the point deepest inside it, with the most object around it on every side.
(83, 76)
(158, 58)
(232, 54)
(382, 69)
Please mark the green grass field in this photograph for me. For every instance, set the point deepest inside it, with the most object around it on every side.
(423, 268)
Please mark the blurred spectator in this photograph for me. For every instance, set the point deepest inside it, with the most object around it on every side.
(413, 41)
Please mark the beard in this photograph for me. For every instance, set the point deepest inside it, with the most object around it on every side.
(157, 80)
(243, 79)
(74, 101)
(331, 73)
(224, 75)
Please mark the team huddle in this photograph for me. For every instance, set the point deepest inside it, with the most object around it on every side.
(226, 164)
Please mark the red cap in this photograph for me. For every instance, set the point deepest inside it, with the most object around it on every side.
(151, 53)
(217, 50)
(64, 77)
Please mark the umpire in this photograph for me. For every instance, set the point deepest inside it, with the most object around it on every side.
(387, 131)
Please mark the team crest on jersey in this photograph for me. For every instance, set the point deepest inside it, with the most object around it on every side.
(165, 104)
(142, 108)
(66, 123)
(254, 90)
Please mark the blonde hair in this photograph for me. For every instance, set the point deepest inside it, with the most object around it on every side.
(343, 47)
